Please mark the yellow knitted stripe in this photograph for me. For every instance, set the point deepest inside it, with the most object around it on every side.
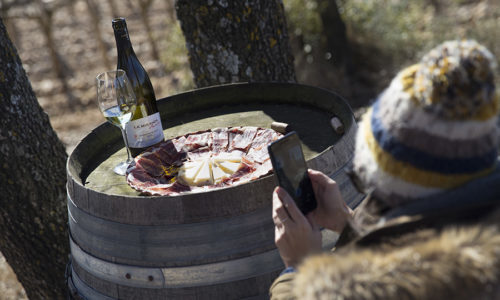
(409, 173)
(408, 78)
(487, 111)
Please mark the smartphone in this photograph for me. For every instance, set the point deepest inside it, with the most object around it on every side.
(290, 168)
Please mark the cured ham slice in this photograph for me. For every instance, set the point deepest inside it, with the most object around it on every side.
(263, 138)
(231, 135)
(152, 164)
(258, 155)
(202, 161)
(178, 188)
(243, 140)
(195, 141)
(139, 179)
(159, 189)
(179, 144)
(240, 176)
(262, 169)
(198, 153)
(168, 153)
(220, 140)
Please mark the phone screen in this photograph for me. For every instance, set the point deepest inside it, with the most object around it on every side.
(291, 170)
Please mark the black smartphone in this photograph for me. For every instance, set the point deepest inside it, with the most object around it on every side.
(290, 168)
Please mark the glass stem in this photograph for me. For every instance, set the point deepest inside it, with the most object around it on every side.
(129, 157)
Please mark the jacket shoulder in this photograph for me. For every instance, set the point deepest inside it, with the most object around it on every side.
(281, 289)
(461, 262)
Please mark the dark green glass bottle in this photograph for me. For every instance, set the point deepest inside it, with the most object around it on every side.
(145, 129)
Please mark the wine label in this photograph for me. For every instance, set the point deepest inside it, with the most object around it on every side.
(144, 132)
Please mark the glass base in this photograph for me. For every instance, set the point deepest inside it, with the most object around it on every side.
(121, 168)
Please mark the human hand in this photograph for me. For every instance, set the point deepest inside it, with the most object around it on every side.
(294, 235)
(332, 212)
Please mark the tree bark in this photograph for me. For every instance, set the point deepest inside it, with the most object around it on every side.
(33, 217)
(115, 12)
(144, 6)
(95, 16)
(335, 32)
(236, 41)
(61, 68)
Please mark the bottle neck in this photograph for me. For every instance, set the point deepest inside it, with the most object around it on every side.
(123, 43)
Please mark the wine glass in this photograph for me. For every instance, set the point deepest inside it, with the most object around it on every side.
(117, 103)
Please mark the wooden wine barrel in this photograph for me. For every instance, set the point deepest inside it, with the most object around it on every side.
(217, 244)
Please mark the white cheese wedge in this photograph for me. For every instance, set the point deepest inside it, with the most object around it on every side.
(191, 164)
(217, 174)
(231, 156)
(204, 176)
(229, 167)
(205, 171)
(189, 170)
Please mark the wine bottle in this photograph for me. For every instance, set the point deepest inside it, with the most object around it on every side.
(144, 129)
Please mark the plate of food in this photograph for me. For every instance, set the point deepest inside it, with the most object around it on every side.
(202, 161)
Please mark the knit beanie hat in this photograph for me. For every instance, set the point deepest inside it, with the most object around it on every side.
(434, 128)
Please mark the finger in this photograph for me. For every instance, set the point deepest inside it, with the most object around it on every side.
(322, 185)
(319, 177)
(278, 235)
(317, 185)
(280, 214)
(314, 226)
(292, 209)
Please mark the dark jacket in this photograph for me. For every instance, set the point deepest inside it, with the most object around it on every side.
(442, 247)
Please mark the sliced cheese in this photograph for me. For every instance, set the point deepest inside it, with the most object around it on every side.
(189, 170)
(191, 164)
(229, 167)
(231, 156)
(217, 174)
(213, 170)
(204, 176)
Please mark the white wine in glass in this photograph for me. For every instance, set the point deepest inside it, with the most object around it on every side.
(117, 102)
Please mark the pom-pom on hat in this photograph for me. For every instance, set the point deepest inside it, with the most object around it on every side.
(434, 128)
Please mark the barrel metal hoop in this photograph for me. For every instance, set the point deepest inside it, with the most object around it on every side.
(172, 245)
(86, 291)
(184, 277)
(179, 277)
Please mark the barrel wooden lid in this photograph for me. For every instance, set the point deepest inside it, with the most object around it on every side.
(94, 188)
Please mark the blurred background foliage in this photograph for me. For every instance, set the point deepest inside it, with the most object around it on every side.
(386, 35)
(382, 37)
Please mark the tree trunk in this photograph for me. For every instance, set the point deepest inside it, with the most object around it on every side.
(335, 32)
(95, 16)
(61, 68)
(170, 8)
(115, 12)
(14, 34)
(236, 41)
(33, 216)
(144, 6)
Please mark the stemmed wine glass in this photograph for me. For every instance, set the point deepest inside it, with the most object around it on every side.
(117, 103)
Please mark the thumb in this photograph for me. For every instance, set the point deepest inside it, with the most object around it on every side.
(319, 177)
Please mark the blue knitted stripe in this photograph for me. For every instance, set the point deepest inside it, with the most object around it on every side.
(425, 161)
